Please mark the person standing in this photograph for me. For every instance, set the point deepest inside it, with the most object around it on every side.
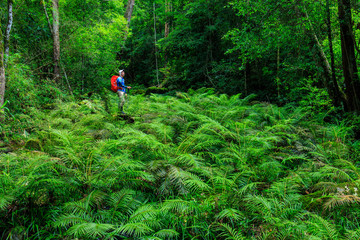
(122, 90)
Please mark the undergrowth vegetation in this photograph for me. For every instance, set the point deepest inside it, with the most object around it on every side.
(193, 166)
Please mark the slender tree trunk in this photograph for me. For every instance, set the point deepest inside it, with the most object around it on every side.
(321, 52)
(247, 76)
(155, 48)
(167, 31)
(352, 84)
(247, 64)
(2, 70)
(128, 14)
(129, 10)
(47, 16)
(56, 35)
(337, 94)
(278, 71)
(8, 30)
(332, 89)
(167, 25)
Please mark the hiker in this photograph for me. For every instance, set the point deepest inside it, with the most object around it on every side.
(121, 90)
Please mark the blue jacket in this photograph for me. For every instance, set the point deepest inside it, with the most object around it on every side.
(121, 83)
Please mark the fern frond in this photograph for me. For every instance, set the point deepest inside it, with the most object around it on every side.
(163, 132)
(283, 188)
(229, 233)
(194, 183)
(189, 160)
(166, 234)
(178, 206)
(248, 189)
(84, 207)
(221, 183)
(340, 200)
(5, 200)
(70, 220)
(94, 198)
(353, 234)
(144, 213)
(292, 158)
(326, 187)
(246, 100)
(349, 165)
(122, 199)
(336, 174)
(93, 230)
(321, 228)
(231, 214)
(79, 208)
(136, 230)
(260, 204)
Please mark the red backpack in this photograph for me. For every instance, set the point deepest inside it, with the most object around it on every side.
(114, 86)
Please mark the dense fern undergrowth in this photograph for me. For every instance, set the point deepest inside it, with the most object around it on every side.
(193, 166)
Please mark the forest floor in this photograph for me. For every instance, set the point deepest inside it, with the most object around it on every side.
(192, 166)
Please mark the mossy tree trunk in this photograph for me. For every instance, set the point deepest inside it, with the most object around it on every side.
(350, 72)
(129, 10)
(56, 36)
(2, 69)
(337, 92)
(8, 29)
(128, 14)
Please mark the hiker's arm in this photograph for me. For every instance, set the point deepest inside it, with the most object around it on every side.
(126, 86)
(121, 84)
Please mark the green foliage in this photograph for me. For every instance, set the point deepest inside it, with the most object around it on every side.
(197, 164)
(182, 170)
(231, 46)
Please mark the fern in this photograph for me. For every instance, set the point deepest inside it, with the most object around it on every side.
(123, 199)
(229, 233)
(231, 214)
(5, 201)
(321, 228)
(262, 205)
(341, 200)
(166, 234)
(352, 235)
(136, 230)
(178, 206)
(194, 184)
(144, 213)
(92, 230)
(70, 220)
(182, 170)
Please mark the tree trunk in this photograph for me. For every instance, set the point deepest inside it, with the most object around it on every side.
(56, 21)
(7, 34)
(128, 14)
(322, 55)
(2, 70)
(155, 48)
(332, 88)
(247, 76)
(47, 16)
(167, 25)
(166, 34)
(351, 79)
(337, 95)
(129, 10)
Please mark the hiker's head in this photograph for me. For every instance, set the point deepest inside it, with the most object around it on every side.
(121, 73)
